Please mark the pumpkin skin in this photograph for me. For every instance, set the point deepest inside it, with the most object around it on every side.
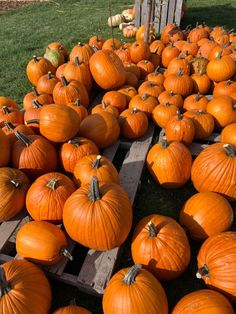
(34, 155)
(151, 88)
(181, 129)
(44, 99)
(79, 109)
(5, 149)
(33, 114)
(108, 108)
(146, 67)
(58, 46)
(58, 123)
(12, 115)
(122, 295)
(111, 44)
(46, 83)
(156, 77)
(96, 41)
(13, 188)
(8, 102)
(171, 98)
(123, 54)
(47, 195)
(214, 162)
(206, 214)
(223, 110)
(225, 88)
(29, 290)
(115, 99)
(170, 52)
(38, 67)
(128, 91)
(139, 50)
(228, 134)
(107, 69)
(83, 52)
(103, 129)
(162, 114)
(203, 302)
(144, 103)
(73, 309)
(203, 123)
(89, 207)
(170, 164)
(134, 124)
(149, 247)
(201, 83)
(216, 263)
(41, 242)
(55, 57)
(221, 69)
(176, 65)
(9, 129)
(95, 165)
(195, 102)
(74, 150)
(179, 83)
(157, 47)
(133, 68)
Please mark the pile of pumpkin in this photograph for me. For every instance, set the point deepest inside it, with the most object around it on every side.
(57, 138)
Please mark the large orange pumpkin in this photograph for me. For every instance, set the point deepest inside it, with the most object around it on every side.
(195, 102)
(179, 83)
(24, 288)
(5, 149)
(206, 214)
(144, 103)
(217, 263)
(134, 290)
(98, 216)
(221, 68)
(161, 245)
(170, 164)
(203, 123)
(73, 309)
(139, 50)
(214, 170)
(163, 113)
(228, 134)
(83, 52)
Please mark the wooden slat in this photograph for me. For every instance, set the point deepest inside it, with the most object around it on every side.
(138, 12)
(22, 222)
(196, 148)
(171, 11)
(157, 19)
(164, 13)
(144, 12)
(178, 11)
(214, 137)
(110, 151)
(5, 258)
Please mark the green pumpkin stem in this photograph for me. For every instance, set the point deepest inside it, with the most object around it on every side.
(64, 81)
(103, 105)
(229, 149)
(171, 93)
(219, 54)
(9, 125)
(166, 104)
(52, 184)
(203, 271)
(130, 276)
(66, 253)
(6, 110)
(164, 143)
(96, 163)
(36, 104)
(133, 110)
(23, 138)
(4, 285)
(49, 75)
(36, 94)
(80, 44)
(35, 59)
(94, 194)
(228, 83)
(152, 230)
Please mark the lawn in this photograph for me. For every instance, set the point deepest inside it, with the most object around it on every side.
(27, 31)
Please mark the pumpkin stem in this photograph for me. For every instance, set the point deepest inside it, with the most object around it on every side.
(229, 150)
(179, 114)
(80, 44)
(163, 142)
(75, 141)
(15, 182)
(152, 230)
(166, 104)
(9, 125)
(32, 121)
(94, 194)
(144, 96)
(66, 253)
(6, 110)
(36, 104)
(129, 277)
(4, 285)
(180, 72)
(203, 271)
(200, 111)
(133, 110)
(35, 59)
(96, 163)
(77, 61)
(198, 97)
(52, 184)
(228, 83)
(103, 105)
(77, 102)
(64, 81)
(219, 54)
(171, 93)
(157, 70)
(49, 75)
(36, 94)
(27, 141)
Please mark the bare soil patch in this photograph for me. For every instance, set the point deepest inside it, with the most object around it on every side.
(6, 5)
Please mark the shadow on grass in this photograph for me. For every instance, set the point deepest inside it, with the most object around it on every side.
(222, 14)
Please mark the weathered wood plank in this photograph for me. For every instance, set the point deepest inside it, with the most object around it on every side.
(178, 11)
(164, 13)
(110, 151)
(171, 11)
(214, 137)
(5, 258)
(196, 148)
(209, 97)
(138, 12)
(157, 18)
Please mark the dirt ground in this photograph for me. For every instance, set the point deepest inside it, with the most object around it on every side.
(10, 5)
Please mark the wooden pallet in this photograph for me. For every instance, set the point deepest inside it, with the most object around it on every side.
(97, 267)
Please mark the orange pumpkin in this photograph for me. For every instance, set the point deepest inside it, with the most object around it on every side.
(225, 88)
(228, 134)
(203, 123)
(144, 103)
(9, 129)
(133, 68)
(156, 77)
(73, 309)
(46, 83)
(196, 102)
(179, 83)
(107, 108)
(201, 83)
(197, 33)
(157, 47)
(221, 68)
(8, 102)
(151, 88)
(171, 98)
(111, 44)
(96, 41)
(38, 67)
(146, 67)
(162, 114)
(176, 65)
(83, 52)
(131, 79)
(169, 52)
(128, 91)
(80, 110)
(139, 50)
(12, 115)
(44, 99)
(5, 149)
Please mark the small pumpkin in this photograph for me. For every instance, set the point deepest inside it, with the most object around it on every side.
(12, 115)
(203, 123)
(146, 67)
(176, 65)
(139, 50)
(58, 46)
(131, 79)
(128, 91)
(33, 114)
(5, 148)
(221, 68)
(157, 47)
(116, 99)
(156, 76)
(195, 102)
(79, 109)
(108, 108)
(46, 83)
(144, 103)
(83, 52)
(7, 102)
(162, 113)
(197, 33)
(169, 52)
(201, 83)
(171, 98)
(224, 88)
(9, 129)
(73, 309)
(115, 20)
(133, 68)
(111, 44)
(96, 41)
(179, 83)
(151, 88)
(124, 54)
(130, 31)
(228, 134)
(38, 67)
(44, 99)
(55, 56)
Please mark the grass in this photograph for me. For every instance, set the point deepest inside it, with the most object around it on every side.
(27, 31)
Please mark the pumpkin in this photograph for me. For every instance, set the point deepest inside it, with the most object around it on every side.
(116, 99)
(133, 68)
(176, 65)
(171, 33)
(13, 187)
(141, 33)
(221, 68)
(203, 123)
(42, 243)
(169, 52)
(129, 31)
(128, 91)
(60, 69)
(44, 99)
(144, 103)
(46, 83)
(146, 67)
(206, 214)
(92, 205)
(206, 49)
(190, 48)
(199, 64)
(34, 155)
(103, 129)
(203, 301)
(155, 59)
(9, 129)
(37, 67)
(111, 44)
(216, 263)
(201, 83)
(83, 52)
(55, 56)
(214, 162)
(156, 76)
(197, 33)
(123, 54)
(7, 102)
(131, 79)
(162, 113)
(157, 47)
(222, 50)
(69, 91)
(225, 88)
(156, 236)
(73, 309)
(58, 46)
(170, 164)
(180, 128)
(47, 195)
(179, 83)
(151, 88)
(107, 69)
(122, 295)
(79, 109)
(133, 123)
(139, 50)
(12, 115)
(171, 98)
(223, 109)
(96, 41)
(115, 20)
(5, 149)
(228, 134)
(25, 287)
(95, 165)
(108, 108)
(32, 114)
(195, 102)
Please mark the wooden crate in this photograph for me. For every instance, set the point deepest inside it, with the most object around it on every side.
(162, 12)
(96, 268)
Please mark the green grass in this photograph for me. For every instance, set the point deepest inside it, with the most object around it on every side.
(27, 31)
